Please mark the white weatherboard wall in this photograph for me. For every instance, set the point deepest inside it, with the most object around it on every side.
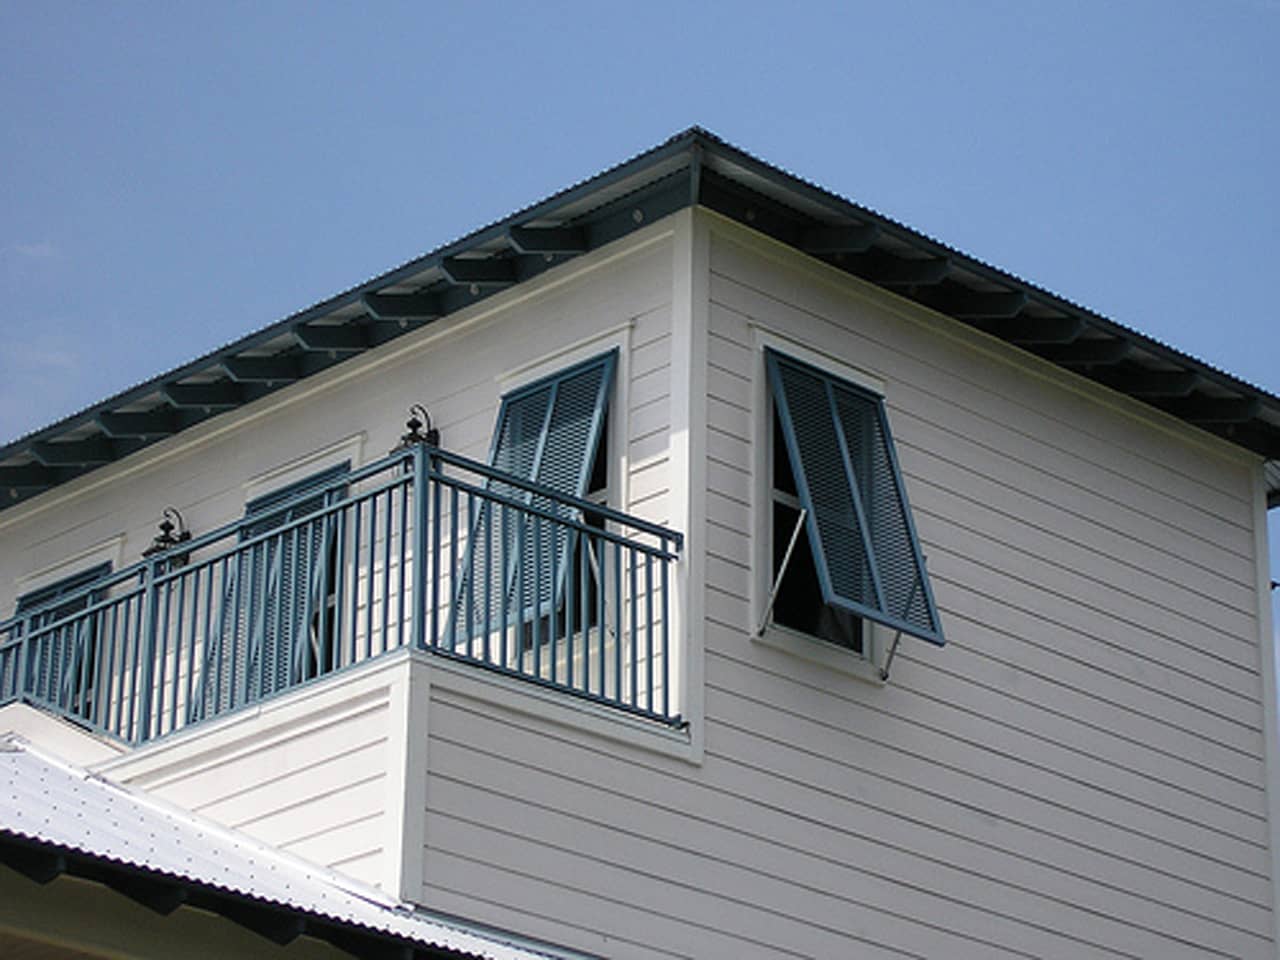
(457, 367)
(316, 773)
(321, 771)
(1078, 773)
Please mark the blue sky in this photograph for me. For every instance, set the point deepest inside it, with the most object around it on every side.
(177, 174)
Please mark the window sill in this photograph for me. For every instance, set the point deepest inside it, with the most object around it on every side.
(828, 655)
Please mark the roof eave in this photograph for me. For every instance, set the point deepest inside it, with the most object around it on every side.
(692, 167)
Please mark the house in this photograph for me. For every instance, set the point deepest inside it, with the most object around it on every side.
(754, 576)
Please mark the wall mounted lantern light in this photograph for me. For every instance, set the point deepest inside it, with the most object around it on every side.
(418, 418)
(173, 531)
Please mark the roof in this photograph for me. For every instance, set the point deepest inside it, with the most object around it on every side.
(57, 818)
(693, 167)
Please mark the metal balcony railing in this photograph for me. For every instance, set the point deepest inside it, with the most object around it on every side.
(424, 548)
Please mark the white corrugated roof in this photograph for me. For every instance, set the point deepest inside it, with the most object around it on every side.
(46, 800)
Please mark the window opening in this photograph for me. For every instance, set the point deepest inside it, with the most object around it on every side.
(798, 602)
(63, 663)
(279, 620)
(833, 457)
(520, 569)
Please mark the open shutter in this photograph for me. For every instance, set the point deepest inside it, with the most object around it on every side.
(63, 658)
(547, 432)
(273, 593)
(859, 523)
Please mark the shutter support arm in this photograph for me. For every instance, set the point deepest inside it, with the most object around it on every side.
(782, 571)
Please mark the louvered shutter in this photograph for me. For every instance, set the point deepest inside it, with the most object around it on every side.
(59, 656)
(273, 592)
(859, 522)
(547, 432)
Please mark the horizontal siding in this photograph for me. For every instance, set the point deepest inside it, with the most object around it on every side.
(1079, 773)
(458, 376)
(315, 786)
(1086, 753)
(751, 827)
(580, 825)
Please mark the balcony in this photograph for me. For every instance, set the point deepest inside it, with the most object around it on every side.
(424, 549)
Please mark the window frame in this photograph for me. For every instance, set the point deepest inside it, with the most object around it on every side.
(877, 636)
(50, 604)
(277, 506)
(603, 430)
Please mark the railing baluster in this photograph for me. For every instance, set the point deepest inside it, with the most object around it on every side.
(618, 629)
(460, 581)
(598, 552)
(355, 577)
(401, 571)
(504, 564)
(517, 564)
(160, 650)
(537, 598)
(369, 578)
(666, 636)
(177, 651)
(436, 532)
(386, 569)
(633, 667)
(487, 520)
(648, 630)
(277, 638)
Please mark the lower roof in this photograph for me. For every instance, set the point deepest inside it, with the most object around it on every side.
(692, 168)
(56, 819)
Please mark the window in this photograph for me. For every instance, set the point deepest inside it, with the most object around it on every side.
(279, 616)
(519, 570)
(63, 660)
(855, 556)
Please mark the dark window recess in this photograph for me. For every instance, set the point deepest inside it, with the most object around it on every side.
(799, 604)
(578, 609)
(858, 557)
(549, 432)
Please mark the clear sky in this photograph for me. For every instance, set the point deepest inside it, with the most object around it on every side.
(177, 174)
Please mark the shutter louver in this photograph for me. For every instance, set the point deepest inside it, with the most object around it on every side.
(859, 522)
(271, 596)
(548, 433)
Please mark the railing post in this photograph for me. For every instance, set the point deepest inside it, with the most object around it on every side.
(147, 639)
(23, 685)
(420, 513)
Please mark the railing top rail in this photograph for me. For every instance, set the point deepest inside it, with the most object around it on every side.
(580, 526)
(587, 506)
(435, 458)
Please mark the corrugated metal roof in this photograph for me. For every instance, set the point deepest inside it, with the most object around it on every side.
(46, 800)
(692, 167)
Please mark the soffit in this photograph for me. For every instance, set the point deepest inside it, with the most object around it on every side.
(693, 167)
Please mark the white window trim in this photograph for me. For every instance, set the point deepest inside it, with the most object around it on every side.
(110, 551)
(349, 449)
(553, 706)
(618, 493)
(876, 637)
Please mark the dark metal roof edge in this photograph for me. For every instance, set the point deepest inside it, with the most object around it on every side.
(965, 261)
(703, 149)
(337, 301)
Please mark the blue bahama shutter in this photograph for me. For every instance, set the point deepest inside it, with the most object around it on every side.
(549, 433)
(60, 656)
(274, 594)
(859, 523)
